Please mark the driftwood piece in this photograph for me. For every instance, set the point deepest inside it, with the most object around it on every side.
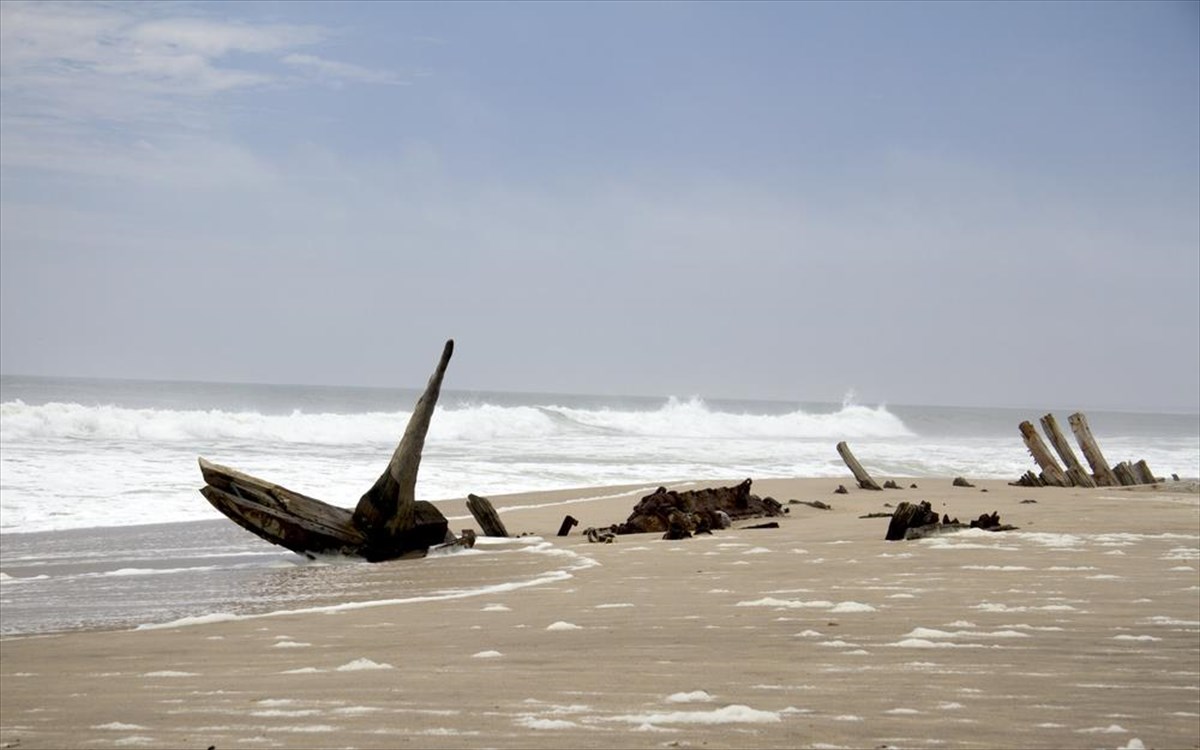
(1075, 471)
(390, 504)
(1052, 473)
(1125, 475)
(698, 510)
(1142, 471)
(388, 522)
(1028, 479)
(1091, 451)
(908, 515)
(568, 523)
(812, 504)
(486, 516)
(860, 474)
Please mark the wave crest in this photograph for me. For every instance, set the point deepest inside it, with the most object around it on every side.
(676, 418)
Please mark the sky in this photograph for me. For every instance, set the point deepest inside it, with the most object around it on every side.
(990, 204)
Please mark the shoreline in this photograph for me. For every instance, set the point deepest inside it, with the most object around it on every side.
(1077, 630)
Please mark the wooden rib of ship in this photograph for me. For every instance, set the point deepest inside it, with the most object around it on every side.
(388, 522)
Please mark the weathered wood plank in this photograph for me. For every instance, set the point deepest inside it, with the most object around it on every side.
(1125, 475)
(1075, 471)
(864, 479)
(486, 516)
(388, 506)
(1052, 473)
(1091, 451)
(1142, 470)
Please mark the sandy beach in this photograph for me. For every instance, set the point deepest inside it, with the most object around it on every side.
(1081, 629)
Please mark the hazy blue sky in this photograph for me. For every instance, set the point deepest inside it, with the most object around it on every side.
(928, 203)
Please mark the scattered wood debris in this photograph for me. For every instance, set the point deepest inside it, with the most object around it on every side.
(812, 504)
(916, 521)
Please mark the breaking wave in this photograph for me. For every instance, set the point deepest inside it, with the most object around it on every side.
(675, 418)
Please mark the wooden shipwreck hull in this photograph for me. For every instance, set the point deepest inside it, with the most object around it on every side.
(387, 523)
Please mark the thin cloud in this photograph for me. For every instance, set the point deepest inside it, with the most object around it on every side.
(100, 81)
(341, 71)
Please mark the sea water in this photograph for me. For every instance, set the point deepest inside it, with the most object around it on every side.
(94, 453)
(101, 523)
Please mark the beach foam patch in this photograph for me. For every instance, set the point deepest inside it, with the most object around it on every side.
(770, 601)
(732, 714)
(486, 655)
(359, 665)
(562, 625)
(535, 722)
(926, 643)
(119, 726)
(169, 673)
(695, 696)
(847, 607)
(932, 633)
(1110, 729)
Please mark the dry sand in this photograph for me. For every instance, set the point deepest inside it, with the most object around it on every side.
(1080, 630)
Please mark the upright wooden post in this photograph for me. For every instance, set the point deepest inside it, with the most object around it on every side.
(864, 479)
(489, 521)
(1125, 475)
(1075, 471)
(1142, 470)
(1100, 468)
(1052, 473)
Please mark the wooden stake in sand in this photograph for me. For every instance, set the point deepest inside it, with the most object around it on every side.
(864, 479)
(1052, 473)
(389, 521)
(1075, 471)
(486, 516)
(1100, 468)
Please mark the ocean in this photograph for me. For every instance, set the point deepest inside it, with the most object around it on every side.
(98, 478)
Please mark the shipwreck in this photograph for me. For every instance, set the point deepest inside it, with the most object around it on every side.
(387, 523)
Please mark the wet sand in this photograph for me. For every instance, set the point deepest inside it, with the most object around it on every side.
(1082, 629)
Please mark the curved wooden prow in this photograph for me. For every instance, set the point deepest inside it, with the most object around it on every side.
(390, 505)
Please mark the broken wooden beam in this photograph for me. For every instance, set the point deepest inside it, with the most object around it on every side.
(486, 516)
(1075, 471)
(864, 479)
(389, 505)
(388, 522)
(1091, 451)
(568, 523)
(1142, 471)
(1052, 473)
(1125, 475)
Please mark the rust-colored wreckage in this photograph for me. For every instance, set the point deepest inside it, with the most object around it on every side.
(388, 522)
(679, 515)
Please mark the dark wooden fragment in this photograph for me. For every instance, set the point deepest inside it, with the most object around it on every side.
(1075, 471)
(390, 504)
(1091, 451)
(909, 515)
(711, 508)
(486, 516)
(388, 522)
(568, 523)
(860, 474)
